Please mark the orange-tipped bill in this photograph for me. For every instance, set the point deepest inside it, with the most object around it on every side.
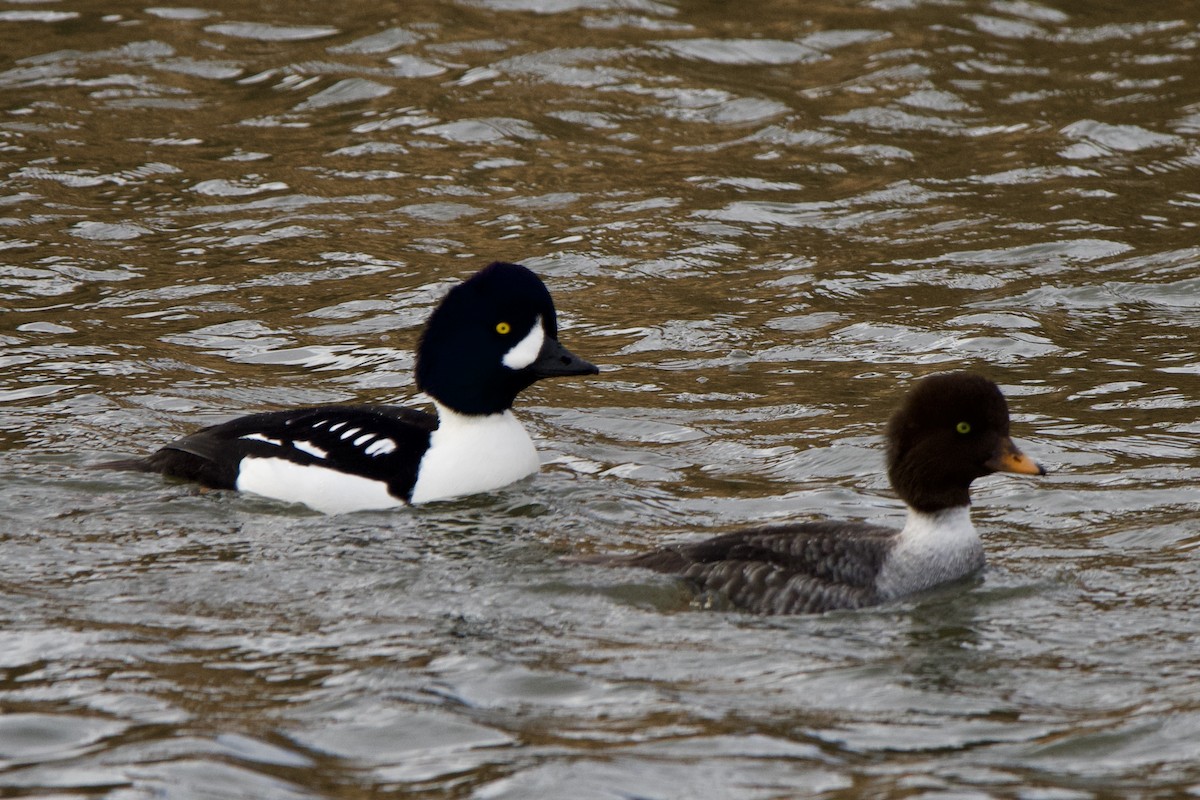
(1009, 459)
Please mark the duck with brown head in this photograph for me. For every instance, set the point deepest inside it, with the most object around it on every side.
(951, 429)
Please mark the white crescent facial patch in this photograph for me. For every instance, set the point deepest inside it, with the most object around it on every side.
(525, 352)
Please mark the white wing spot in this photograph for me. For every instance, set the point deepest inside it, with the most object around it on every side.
(319, 423)
(366, 437)
(525, 352)
(349, 432)
(333, 428)
(258, 437)
(311, 449)
(382, 447)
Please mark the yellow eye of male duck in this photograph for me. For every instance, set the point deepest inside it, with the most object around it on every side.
(503, 328)
(963, 427)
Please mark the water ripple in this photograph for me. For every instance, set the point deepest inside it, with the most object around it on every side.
(762, 225)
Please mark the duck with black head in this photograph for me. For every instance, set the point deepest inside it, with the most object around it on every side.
(490, 338)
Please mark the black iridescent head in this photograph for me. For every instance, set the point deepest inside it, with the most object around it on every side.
(492, 336)
(951, 429)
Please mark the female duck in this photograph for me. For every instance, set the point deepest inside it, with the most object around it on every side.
(951, 429)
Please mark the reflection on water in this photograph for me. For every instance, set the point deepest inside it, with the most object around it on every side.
(761, 222)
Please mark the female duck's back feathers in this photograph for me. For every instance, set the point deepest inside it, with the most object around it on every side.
(787, 569)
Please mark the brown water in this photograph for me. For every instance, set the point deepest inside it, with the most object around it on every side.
(762, 220)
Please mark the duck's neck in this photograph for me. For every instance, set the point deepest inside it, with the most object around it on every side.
(932, 548)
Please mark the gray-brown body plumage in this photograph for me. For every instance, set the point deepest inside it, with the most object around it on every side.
(793, 569)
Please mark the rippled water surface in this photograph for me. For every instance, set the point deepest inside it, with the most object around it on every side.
(763, 220)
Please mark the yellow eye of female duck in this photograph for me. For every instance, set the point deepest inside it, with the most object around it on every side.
(963, 427)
